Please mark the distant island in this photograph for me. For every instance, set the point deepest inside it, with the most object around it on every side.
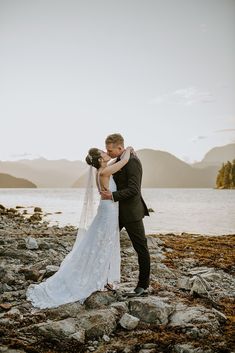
(9, 181)
(161, 169)
(226, 176)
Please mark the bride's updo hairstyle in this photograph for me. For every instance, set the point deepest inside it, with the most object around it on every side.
(93, 157)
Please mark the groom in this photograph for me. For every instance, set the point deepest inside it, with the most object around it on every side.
(132, 208)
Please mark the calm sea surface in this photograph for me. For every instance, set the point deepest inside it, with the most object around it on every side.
(204, 211)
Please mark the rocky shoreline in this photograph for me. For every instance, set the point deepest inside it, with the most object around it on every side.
(189, 309)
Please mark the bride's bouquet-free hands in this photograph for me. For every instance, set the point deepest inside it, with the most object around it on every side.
(132, 151)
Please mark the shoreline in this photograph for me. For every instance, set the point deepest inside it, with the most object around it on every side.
(58, 219)
(190, 307)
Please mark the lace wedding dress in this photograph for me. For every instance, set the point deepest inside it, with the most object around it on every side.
(93, 262)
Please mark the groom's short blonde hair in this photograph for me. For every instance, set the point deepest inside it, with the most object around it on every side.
(116, 139)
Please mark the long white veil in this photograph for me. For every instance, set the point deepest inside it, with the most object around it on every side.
(88, 208)
(89, 204)
(88, 212)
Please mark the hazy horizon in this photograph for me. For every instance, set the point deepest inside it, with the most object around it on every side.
(160, 72)
(83, 160)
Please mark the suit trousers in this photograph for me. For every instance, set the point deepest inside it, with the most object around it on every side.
(136, 233)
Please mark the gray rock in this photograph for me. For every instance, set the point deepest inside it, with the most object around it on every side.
(14, 313)
(6, 288)
(98, 322)
(2, 272)
(220, 316)
(199, 285)
(5, 349)
(31, 243)
(106, 338)
(100, 300)
(128, 321)
(152, 309)
(79, 336)
(187, 348)
(161, 270)
(121, 307)
(66, 310)
(149, 345)
(191, 317)
(37, 209)
(50, 270)
(57, 329)
(184, 283)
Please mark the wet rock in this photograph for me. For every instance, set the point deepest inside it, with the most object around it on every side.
(36, 217)
(37, 209)
(128, 321)
(152, 309)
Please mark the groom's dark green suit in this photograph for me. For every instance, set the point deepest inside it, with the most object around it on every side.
(132, 210)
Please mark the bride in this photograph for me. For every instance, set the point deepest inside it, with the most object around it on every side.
(94, 262)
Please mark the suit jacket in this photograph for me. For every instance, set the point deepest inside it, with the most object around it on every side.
(128, 180)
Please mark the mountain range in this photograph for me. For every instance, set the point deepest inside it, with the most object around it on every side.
(160, 169)
(9, 181)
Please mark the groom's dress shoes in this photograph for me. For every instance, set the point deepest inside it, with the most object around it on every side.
(138, 292)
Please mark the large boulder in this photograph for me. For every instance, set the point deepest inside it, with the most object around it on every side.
(152, 309)
(98, 322)
(196, 320)
(66, 310)
(66, 329)
(57, 329)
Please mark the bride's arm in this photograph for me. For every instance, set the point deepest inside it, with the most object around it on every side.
(113, 168)
(112, 161)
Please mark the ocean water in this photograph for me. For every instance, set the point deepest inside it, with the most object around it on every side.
(200, 211)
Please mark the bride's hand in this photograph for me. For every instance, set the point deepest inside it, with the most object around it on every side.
(131, 149)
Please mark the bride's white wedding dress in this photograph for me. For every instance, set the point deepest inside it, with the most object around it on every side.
(93, 262)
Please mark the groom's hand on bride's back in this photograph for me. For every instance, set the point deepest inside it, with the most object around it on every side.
(106, 195)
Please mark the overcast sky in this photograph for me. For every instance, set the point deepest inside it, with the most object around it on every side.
(161, 72)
